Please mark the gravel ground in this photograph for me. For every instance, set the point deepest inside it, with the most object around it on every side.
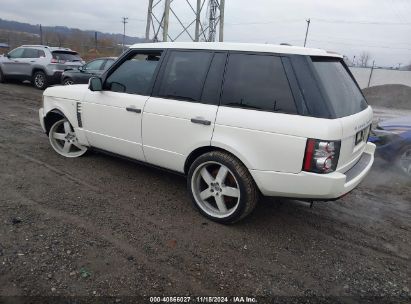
(395, 96)
(100, 225)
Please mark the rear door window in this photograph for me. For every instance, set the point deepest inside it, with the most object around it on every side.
(94, 65)
(31, 53)
(66, 56)
(184, 74)
(108, 64)
(258, 82)
(343, 95)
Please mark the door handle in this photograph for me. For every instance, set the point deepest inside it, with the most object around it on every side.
(133, 109)
(201, 121)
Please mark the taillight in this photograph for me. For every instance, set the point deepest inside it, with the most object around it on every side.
(321, 156)
(57, 61)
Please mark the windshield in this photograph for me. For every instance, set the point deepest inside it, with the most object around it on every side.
(66, 56)
(344, 96)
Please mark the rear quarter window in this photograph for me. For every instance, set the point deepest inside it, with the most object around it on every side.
(342, 94)
(259, 82)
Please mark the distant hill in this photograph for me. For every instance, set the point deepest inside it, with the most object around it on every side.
(34, 29)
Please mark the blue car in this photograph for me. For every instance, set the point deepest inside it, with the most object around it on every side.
(393, 140)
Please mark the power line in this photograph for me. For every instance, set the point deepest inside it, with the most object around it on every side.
(389, 43)
(360, 22)
(371, 46)
(321, 20)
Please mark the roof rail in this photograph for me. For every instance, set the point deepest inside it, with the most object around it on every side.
(60, 48)
(34, 45)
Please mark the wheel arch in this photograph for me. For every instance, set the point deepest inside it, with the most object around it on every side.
(37, 69)
(51, 117)
(205, 149)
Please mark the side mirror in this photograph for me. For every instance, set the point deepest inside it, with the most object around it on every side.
(8, 55)
(95, 84)
(80, 68)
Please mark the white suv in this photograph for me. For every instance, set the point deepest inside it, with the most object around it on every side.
(238, 119)
(40, 64)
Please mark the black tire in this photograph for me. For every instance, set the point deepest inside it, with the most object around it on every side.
(67, 81)
(2, 79)
(249, 194)
(40, 80)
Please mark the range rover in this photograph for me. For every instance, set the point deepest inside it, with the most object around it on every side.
(239, 120)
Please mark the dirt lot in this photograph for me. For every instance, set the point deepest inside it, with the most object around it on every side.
(100, 225)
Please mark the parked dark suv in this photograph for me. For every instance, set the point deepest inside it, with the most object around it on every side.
(42, 65)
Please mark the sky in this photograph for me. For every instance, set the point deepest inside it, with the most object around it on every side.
(380, 27)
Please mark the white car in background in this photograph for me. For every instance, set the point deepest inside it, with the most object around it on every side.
(239, 120)
(40, 64)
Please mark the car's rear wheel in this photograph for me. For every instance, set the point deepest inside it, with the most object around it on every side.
(40, 80)
(404, 160)
(221, 187)
(68, 81)
(64, 141)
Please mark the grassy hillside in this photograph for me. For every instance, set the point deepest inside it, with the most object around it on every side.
(16, 33)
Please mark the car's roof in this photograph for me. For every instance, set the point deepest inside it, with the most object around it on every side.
(228, 46)
(51, 48)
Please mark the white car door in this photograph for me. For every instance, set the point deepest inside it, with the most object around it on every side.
(254, 112)
(111, 118)
(180, 116)
(13, 64)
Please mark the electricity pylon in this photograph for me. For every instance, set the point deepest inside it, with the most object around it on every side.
(160, 11)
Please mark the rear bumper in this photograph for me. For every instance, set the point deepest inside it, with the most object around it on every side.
(306, 185)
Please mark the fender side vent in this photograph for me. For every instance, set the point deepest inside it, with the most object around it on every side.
(78, 110)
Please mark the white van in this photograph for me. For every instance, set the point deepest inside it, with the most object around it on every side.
(239, 120)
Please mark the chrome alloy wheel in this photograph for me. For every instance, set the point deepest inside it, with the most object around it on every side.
(39, 80)
(215, 189)
(63, 139)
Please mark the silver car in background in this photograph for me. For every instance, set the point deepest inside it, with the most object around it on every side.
(42, 65)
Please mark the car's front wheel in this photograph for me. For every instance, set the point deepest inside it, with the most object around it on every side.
(64, 141)
(221, 187)
(40, 80)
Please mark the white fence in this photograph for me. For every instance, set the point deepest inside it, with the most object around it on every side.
(380, 77)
